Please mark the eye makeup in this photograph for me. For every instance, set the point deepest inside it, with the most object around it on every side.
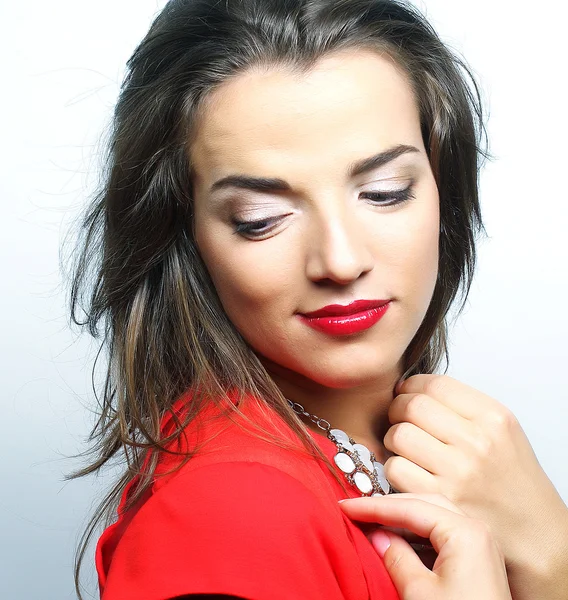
(259, 227)
(391, 198)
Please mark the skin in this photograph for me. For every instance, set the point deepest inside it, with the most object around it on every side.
(323, 241)
(452, 439)
(468, 564)
(333, 245)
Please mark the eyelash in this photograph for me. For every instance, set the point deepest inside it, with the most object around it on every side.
(398, 197)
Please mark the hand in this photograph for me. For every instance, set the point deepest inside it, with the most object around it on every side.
(469, 565)
(454, 440)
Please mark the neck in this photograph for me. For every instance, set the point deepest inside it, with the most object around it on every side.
(361, 411)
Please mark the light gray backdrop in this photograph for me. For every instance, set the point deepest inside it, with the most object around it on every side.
(62, 62)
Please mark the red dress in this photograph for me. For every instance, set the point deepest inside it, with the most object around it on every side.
(243, 518)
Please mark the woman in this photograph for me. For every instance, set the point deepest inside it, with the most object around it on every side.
(290, 210)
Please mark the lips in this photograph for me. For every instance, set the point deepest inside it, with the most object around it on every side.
(340, 320)
(333, 310)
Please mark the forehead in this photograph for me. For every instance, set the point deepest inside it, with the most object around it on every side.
(275, 122)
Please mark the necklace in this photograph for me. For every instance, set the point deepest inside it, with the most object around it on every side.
(357, 462)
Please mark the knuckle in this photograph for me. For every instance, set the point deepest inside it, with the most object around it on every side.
(393, 471)
(391, 466)
(483, 446)
(416, 404)
(435, 384)
(376, 515)
(504, 419)
(393, 561)
(400, 433)
(500, 418)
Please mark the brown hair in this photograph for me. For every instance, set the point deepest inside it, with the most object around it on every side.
(138, 267)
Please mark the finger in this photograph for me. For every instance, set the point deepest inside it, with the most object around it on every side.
(406, 476)
(437, 499)
(402, 563)
(415, 444)
(457, 396)
(423, 518)
(410, 537)
(421, 546)
(432, 416)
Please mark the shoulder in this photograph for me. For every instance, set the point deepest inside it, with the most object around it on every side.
(236, 528)
(223, 440)
(237, 493)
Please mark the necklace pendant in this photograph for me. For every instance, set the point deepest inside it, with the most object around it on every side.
(359, 465)
(345, 462)
(357, 462)
(363, 482)
(381, 477)
(364, 455)
(340, 438)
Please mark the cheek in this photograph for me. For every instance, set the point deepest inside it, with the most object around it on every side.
(426, 256)
(250, 278)
(413, 253)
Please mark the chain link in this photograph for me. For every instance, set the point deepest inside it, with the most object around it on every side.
(321, 423)
(326, 426)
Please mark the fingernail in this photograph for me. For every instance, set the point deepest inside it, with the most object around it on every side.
(380, 541)
(398, 384)
(343, 500)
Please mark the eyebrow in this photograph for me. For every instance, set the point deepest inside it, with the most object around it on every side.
(266, 184)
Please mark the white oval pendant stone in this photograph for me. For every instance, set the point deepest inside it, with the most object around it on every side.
(342, 439)
(339, 435)
(363, 482)
(344, 462)
(364, 455)
(380, 471)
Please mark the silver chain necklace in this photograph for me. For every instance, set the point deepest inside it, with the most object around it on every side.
(357, 462)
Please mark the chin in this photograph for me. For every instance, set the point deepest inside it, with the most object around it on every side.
(335, 372)
(346, 376)
(348, 380)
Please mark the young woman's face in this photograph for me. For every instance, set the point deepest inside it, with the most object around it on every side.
(324, 235)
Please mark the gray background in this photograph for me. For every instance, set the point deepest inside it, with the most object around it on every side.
(62, 63)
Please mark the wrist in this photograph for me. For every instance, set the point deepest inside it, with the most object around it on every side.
(542, 572)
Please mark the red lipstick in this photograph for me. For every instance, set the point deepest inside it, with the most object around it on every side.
(338, 319)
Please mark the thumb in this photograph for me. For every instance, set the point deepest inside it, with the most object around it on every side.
(401, 561)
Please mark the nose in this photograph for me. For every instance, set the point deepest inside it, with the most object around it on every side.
(338, 249)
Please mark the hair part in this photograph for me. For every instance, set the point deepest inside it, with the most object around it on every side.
(137, 265)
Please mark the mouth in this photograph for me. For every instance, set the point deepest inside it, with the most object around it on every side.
(341, 320)
(335, 310)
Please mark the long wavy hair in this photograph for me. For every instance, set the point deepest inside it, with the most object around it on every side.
(136, 272)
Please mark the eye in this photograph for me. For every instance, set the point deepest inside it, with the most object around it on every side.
(392, 197)
(256, 228)
(264, 226)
